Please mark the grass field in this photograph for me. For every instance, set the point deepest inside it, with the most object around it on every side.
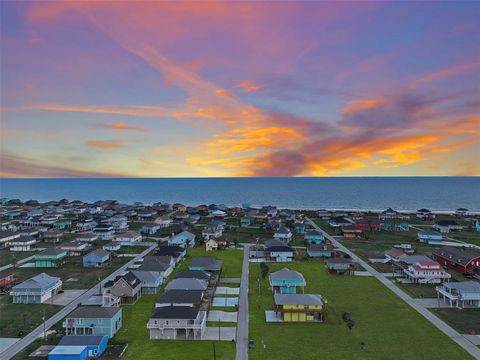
(463, 320)
(135, 333)
(11, 257)
(389, 328)
(419, 291)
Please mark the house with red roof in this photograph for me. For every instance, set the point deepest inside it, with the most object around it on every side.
(426, 272)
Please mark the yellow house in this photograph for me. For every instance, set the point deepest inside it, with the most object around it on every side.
(300, 307)
(215, 244)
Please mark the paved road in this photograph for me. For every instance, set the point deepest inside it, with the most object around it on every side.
(445, 328)
(29, 338)
(242, 320)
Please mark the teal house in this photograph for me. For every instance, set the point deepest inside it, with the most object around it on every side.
(286, 281)
(94, 320)
(476, 225)
(245, 221)
(320, 251)
(10, 215)
(62, 224)
(394, 225)
(314, 237)
(50, 258)
(184, 239)
(300, 228)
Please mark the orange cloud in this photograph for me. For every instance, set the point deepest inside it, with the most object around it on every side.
(123, 126)
(356, 105)
(104, 144)
(447, 72)
(247, 86)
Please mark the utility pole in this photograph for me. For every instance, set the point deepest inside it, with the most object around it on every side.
(44, 327)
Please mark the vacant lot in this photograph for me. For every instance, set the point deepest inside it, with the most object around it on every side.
(387, 326)
(136, 334)
(463, 320)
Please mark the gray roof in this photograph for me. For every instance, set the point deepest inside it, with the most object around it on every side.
(146, 276)
(286, 274)
(412, 259)
(193, 274)
(51, 251)
(100, 252)
(81, 340)
(93, 312)
(187, 284)
(298, 299)
(42, 281)
(457, 255)
(208, 262)
(274, 242)
(155, 263)
(464, 286)
(175, 312)
(181, 297)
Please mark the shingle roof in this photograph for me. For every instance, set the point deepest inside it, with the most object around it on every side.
(99, 252)
(186, 284)
(181, 297)
(286, 274)
(41, 280)
(51, 251)
(466, 286)
(174, 251)
(81, 340)
(457, 255)
(193, 274)
(92, 312)
(129, 277)
(175, 312)
(208, 262)
(298, 299)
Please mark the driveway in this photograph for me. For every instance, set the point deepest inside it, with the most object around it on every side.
(242, 326)
(224, 290)
(225, 301)
(219, 333)
(224, 316)
(66, 297)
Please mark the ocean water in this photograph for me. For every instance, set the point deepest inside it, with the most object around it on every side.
(376, 193)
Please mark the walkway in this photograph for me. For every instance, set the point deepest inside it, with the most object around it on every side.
(36, 333)
(242, 322)
(441, 325)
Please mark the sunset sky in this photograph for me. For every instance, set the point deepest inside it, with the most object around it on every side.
(159, 89)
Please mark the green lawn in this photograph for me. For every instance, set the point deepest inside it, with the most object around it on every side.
(419, 291)
(389, 328)
(463, 320)
(11, 257)
(135, 333)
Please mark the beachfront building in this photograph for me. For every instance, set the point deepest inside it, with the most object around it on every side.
(425, 214)
(299, 307)
(445, 226)
(426, 272)
(461, 294)
(177, 322)
(314, 237)
(464, 261)
(50, 258)
(390, 214)
(430, 237)
(36, 290)
(286, 281)
(462, 212)
(94, 320)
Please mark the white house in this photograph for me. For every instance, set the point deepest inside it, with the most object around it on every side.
(445, 226)
(128, 237)
(426, 272)
(284, 234)
(430, 237)
(104, 232)
(163, 221)
(23, 243)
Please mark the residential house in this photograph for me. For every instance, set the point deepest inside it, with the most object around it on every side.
(68, 352)
(124, 289)
(146, 214)
(184, 239)
(7, 236)
(464, 261)
(299, 307)
(206, 263)
(299, 228)
(23, 243)
(62, 224)
(187, 284)
(461, 212)
(215, 244)
(177, 252)
(95, 345)
(283, 234)
(320, 251)
(104, 232)
(395, 255)
(191, 298)
(164, 221)
(74, 248)
(86, 225)
(445, 226)
(96, 258)
(36, 290)
(94, 320)
(394, 225)
(430, 237)
(276, 251)
(245, 221)
(425, 214)
(193, 274)
(212, 231)
(53, 236)
(426, 272)
(461, 294)
(50, 258)
(338, 222)
(150, 228)
(112, 246)
(7, 279)
(163, 265)
(151, 280)
(218, 214)
(286, 281)
(367, 224)
(351, 232)
(172, 322)
(476, 225)
(87, 237)
(314, 237)
(128, 237)
(340, 265)
(390, 214)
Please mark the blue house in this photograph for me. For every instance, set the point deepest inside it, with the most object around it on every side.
(460, 294)
(314, 237)
(96, 258)
(300, 228)
(394, 225)
(36, 290)
(323, 251)
(94, 320)
(64, 352)
(286, 281)
(184, 239)
(430, 237)
(476, 225)
(95, 345)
